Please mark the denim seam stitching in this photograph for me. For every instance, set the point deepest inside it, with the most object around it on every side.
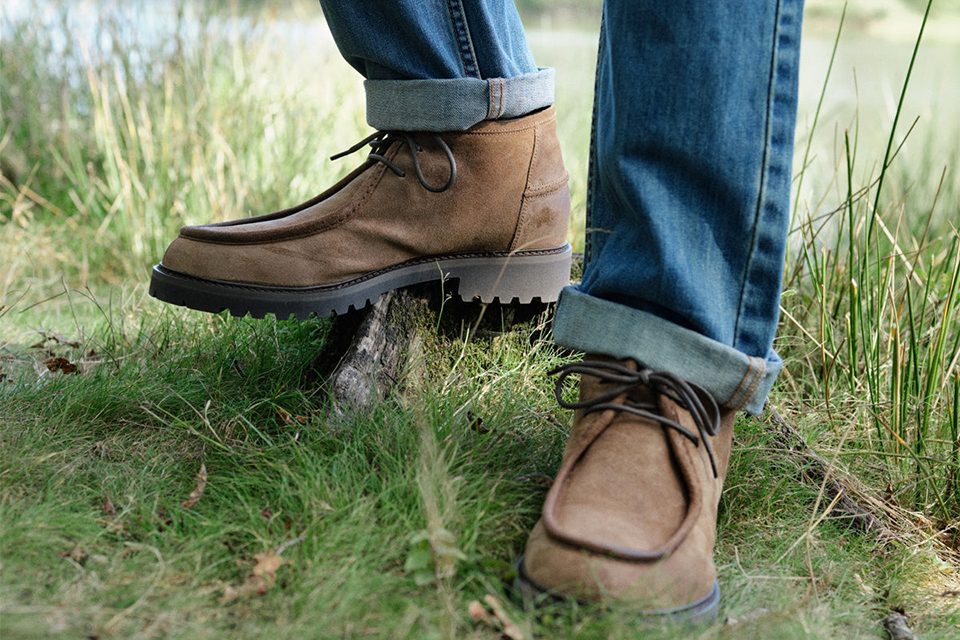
(742, 395)
(591, 159)
(461, 30)
(733, 400)
(755, 378)
(759, 372)
(761, 195)
(500, 106)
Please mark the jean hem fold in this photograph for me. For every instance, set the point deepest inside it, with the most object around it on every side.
(593, 325)
(454, 104)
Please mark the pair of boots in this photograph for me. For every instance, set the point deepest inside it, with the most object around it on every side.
(632, 512)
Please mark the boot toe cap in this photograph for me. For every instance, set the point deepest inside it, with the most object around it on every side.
(679, 580)
(213, 261)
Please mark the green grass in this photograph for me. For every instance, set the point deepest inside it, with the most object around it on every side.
(395, 521)
(242, 398)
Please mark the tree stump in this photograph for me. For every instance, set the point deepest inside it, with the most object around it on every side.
(368, 352)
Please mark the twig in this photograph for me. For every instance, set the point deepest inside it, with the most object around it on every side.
(820, 472)
(289, 543)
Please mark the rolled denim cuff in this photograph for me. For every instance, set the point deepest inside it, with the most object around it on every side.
(594, 325)
(456, 104)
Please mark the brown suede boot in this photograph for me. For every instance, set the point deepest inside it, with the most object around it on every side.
(485, 210)
(632, 513)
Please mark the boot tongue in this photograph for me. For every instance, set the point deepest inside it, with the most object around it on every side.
(592, 387)
(625, 470)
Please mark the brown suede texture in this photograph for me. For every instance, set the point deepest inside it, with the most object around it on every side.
(510, 195)
(627, 490)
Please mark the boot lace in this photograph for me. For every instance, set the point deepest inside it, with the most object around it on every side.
(381, 141)
(622, 380)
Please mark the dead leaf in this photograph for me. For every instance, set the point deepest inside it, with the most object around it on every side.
(498, 621)
(289, 418)
(197, 492)
(261, 578)
(264, 573)
(76, 554)
(60, 364)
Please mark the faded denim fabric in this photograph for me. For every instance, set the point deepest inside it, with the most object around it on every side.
(690, 162)
(439, 65)
(688, 204)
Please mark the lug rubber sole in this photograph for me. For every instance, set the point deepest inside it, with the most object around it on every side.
(700, 611)
(505, 277)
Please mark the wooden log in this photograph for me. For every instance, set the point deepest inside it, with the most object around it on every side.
(368, 352)
(371, 349)
(821, 473)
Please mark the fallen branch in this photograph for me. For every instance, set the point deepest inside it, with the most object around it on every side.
(818, 471)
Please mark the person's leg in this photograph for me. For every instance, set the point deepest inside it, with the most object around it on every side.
(690, 170)
(465, 184)
(439, 66)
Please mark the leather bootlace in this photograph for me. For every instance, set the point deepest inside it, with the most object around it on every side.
(621, 384)
(381, 141)
(692, 397)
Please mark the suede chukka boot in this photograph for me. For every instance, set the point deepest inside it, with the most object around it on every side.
(485, 211)
(632, 513)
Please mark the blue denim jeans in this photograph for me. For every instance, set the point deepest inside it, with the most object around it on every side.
(439, 65)
(690, 161)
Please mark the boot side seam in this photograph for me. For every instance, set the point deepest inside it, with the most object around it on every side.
(521, 217)
(547, 188)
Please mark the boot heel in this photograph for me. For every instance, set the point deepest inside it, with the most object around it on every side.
(520, 277)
